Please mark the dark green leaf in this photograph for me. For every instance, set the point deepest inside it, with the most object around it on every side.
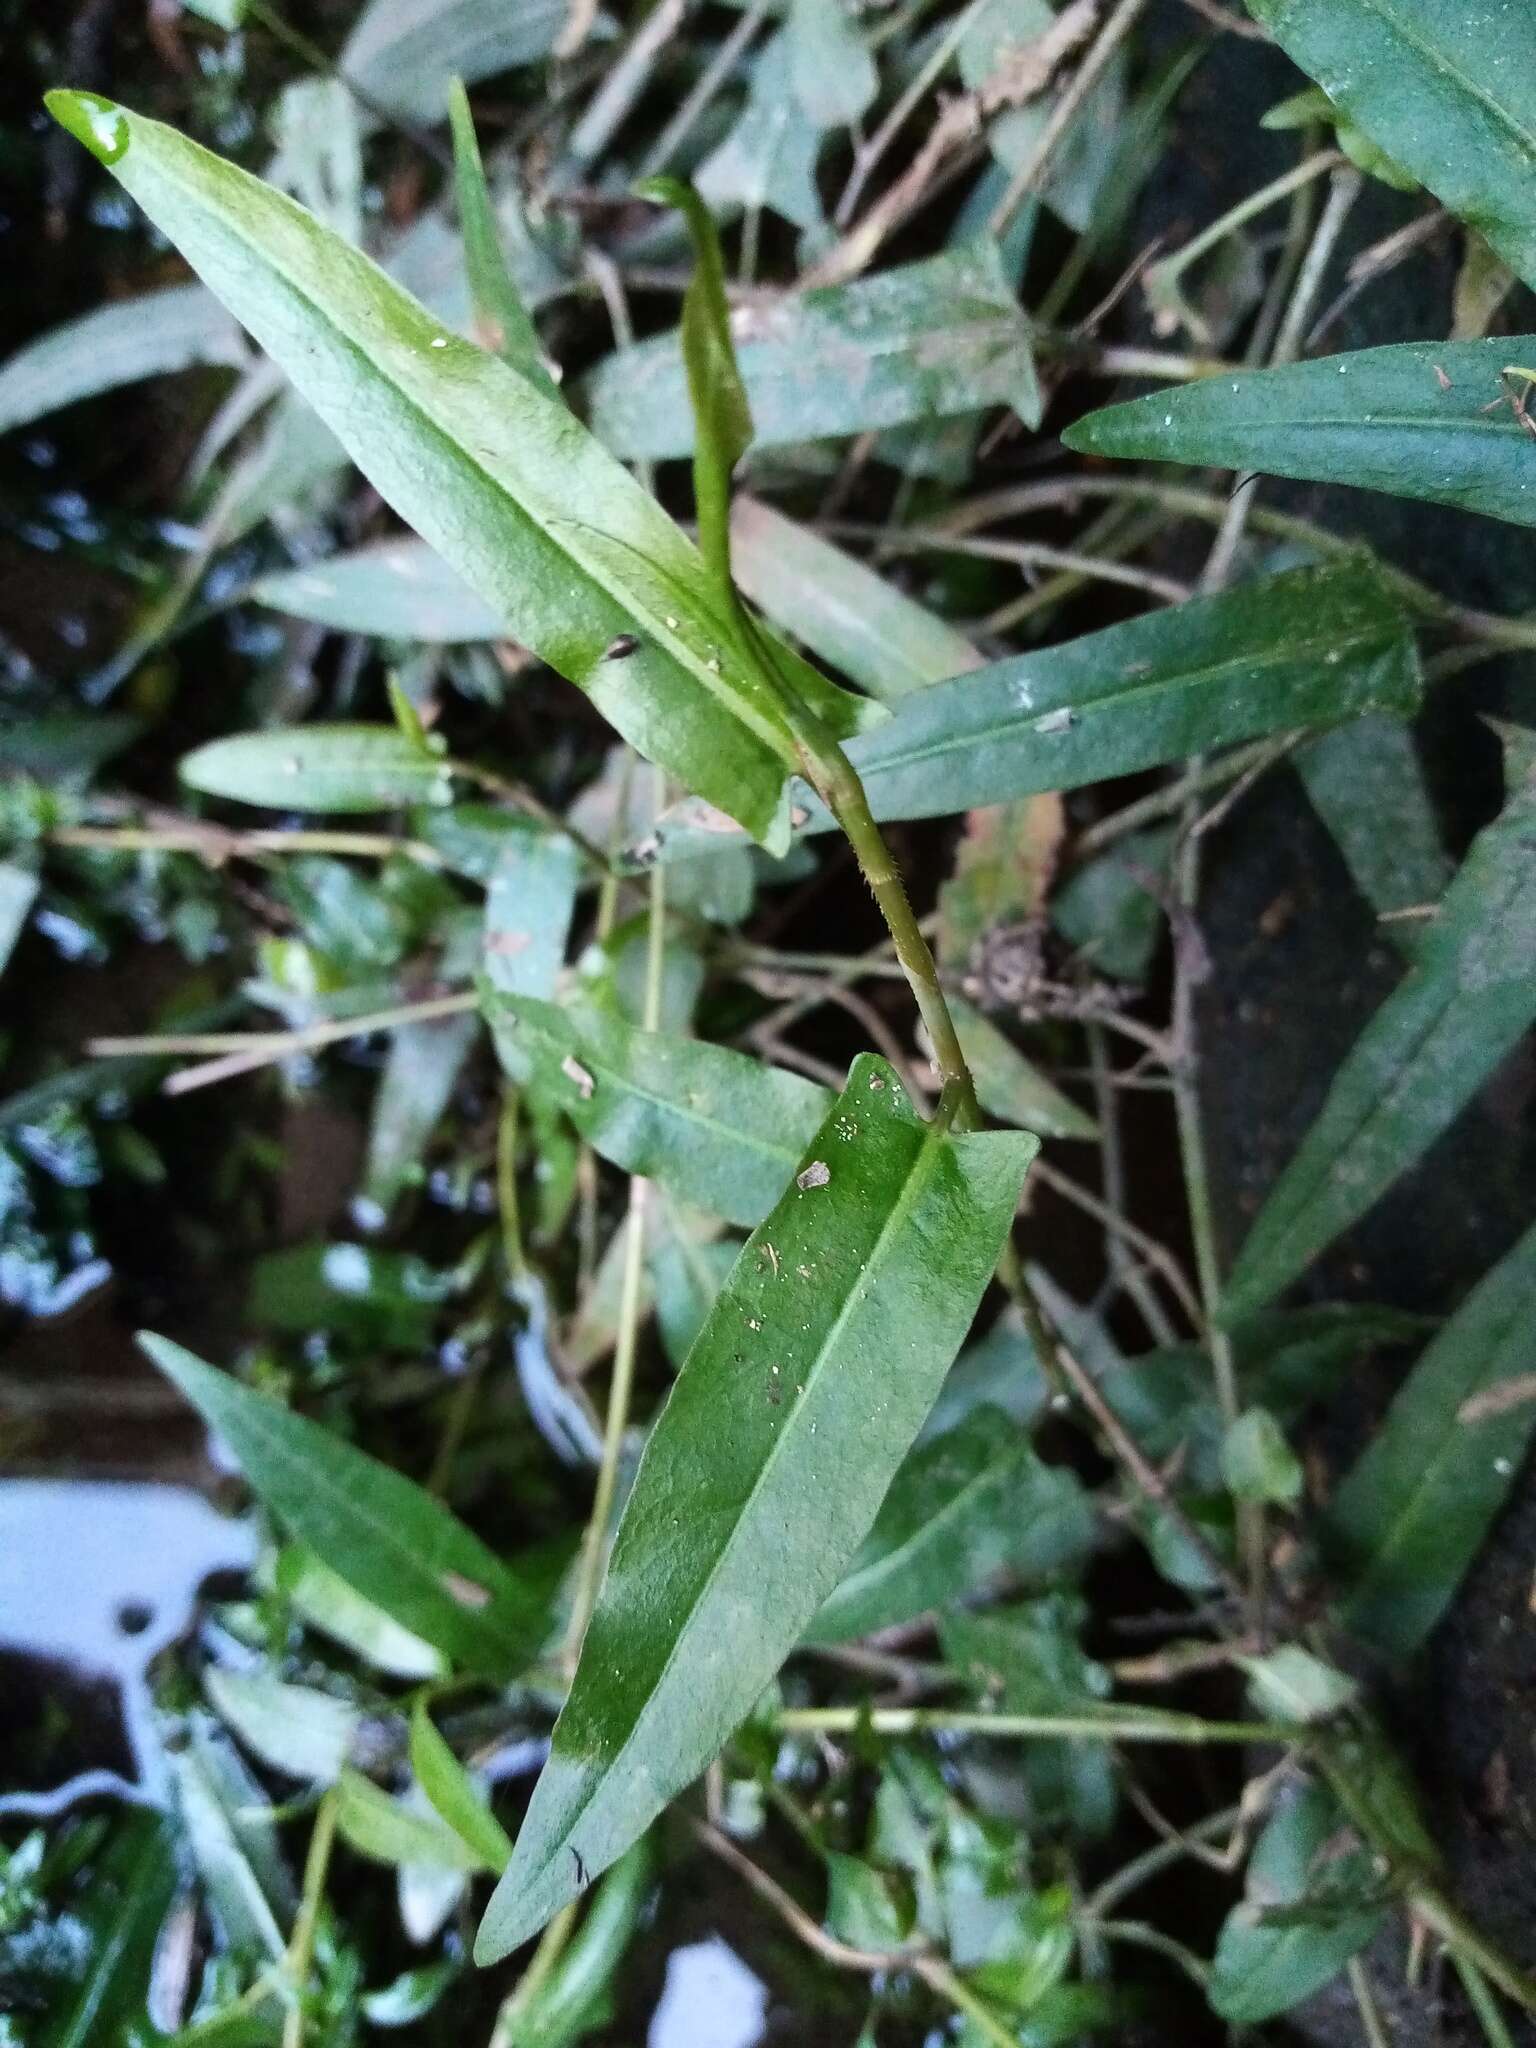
(831, 71)
(529, 903)
(962, 1506)
(576, 1996)
(502, 322)
(1466, 1001)
(869, 1909)
(1412, 419)
(847, 616)
(392, 590)
(420, 1074)
(1312, 647)
(1413, 1511)
(319, 768)
(1256, 1461)
(1008, 1086)
(715, 1127)
(374, 1297)
(393, 1542)
(765, 1469)
(1367, 786)
(937, 337)
(535, 515)
(1448, 92)
(1308, 1910)
(454, 1795)
(1110, 908)
(130, 1894)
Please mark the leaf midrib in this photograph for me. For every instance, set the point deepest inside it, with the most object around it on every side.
(923, 1167)
(1387, 638)
(741, 710)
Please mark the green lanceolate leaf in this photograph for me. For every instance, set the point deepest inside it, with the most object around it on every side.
(1448, 92)
(841, 610)
(931, 339)
(131, 1889)
(292, 1728)
(1411, 1514)
(1468, 998)
(1365, 783)
(335, 768)
(502, 321)
(390, 1831)
(765, 1470)
(393, 590)
(1008, 1086)
(576, 1996)
(715, 1127)
(716, 395)
(386, 1537)
(529, 903)
(454, 1795)
(525, 504)
(1312, 647)
(404, 53)
(1412, 419)
(118, 344)
(963, 1506)
(1308, 1910)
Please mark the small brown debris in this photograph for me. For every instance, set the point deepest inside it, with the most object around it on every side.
(622, 648)
(1442, 379)
(465, 1591)
(1279, 915)
(1498, 1400)
(816, 1175)
(573, 1070)
(508, 942)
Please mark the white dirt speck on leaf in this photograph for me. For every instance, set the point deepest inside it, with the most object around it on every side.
(816, 1175)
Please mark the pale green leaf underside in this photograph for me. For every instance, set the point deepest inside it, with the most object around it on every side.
(324, 768)
(798, 1401)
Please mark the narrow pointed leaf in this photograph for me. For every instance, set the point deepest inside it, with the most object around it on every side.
(294, 1729)
(716, 395)
(118, 344)
(1448, 92)
(1366, 784)
(326, 768)
(1412, 419)
(393, 590)
(1412, 1513)
(529, 903)
(717, 1128)
(420, 1075)
(963, 1506)
(1008, 1086)
(120, 1917)
(765, 1470)
(386, 1537)
(1311, 647)
(1467, 1000)
(847, 616)
(922, 342)
(502, 322)
(454, 1795)
(537, 517)
(390, 1831)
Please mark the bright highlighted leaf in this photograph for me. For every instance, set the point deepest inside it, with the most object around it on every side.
(525, 504)
(1413, 419)
(1448, 92)
(502, 321)
(716, 1127)
(454, 1795)
(1468, 999)
(1412, 1513)
(765, 1470)
(326, 768)
(390, 1831)
(393, 590)
(931, 339)
(391, 1541)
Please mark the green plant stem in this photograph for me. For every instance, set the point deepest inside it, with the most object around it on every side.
(1160, 1857)
(1468, 1945)
(1365, 2004)
(627, 1340)
(280, 1044)
(941, 1977)
(301, 1946)
(1127, 1725)
(1482, 2002)
(1164, 277)
(214, 845)
(553, 1943)
(837, 783)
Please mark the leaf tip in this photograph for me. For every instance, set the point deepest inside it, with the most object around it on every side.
(97, 122)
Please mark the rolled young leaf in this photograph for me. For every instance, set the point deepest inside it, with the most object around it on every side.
(511, 490)
(1448, 92)
(800, 1398)
(1412, 419)
(386, 1537)
(1468, 999)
